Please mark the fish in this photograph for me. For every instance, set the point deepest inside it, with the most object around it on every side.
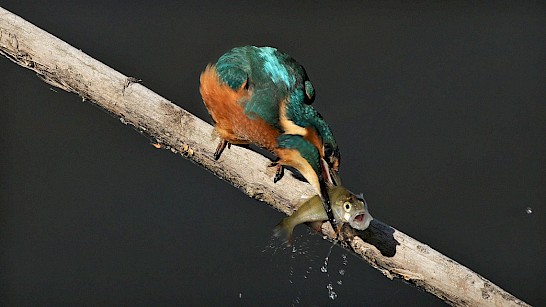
(347, 208)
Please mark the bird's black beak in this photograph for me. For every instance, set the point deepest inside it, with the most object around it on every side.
(334, 175)
(325, 198)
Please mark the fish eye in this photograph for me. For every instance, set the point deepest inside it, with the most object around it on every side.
(347, 206)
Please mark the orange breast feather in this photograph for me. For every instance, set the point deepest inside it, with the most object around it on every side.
(226, 107)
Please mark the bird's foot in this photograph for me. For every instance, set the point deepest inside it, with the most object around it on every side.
(220, 148)
(279, 173)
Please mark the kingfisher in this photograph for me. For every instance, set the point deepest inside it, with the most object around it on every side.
(262, 96)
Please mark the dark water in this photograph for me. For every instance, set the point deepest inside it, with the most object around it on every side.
(439, 111)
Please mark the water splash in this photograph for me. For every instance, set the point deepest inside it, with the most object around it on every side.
(324, 267)
(290, 274)
(331, 293)
(299, 275)
(296, 301)
(307, 272)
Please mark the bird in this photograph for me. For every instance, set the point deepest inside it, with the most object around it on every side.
(262, 96)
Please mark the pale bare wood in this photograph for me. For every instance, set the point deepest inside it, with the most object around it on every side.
(385, 248)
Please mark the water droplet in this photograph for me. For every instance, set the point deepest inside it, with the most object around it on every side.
(324, 268)
(344, 256)
(240, 294)
(331, 293)
(529, 210)
(342, 272)
(340, 282)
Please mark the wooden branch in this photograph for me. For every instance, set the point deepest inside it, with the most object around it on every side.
(385, 248)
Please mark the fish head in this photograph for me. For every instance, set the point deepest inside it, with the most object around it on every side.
(352, 209)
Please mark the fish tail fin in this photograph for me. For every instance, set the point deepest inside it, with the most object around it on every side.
(284, 231)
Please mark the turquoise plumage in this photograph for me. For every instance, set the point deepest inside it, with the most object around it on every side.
(272, 76)
(263, 96)
(305, 149)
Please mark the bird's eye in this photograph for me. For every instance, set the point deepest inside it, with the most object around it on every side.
(347, 206)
